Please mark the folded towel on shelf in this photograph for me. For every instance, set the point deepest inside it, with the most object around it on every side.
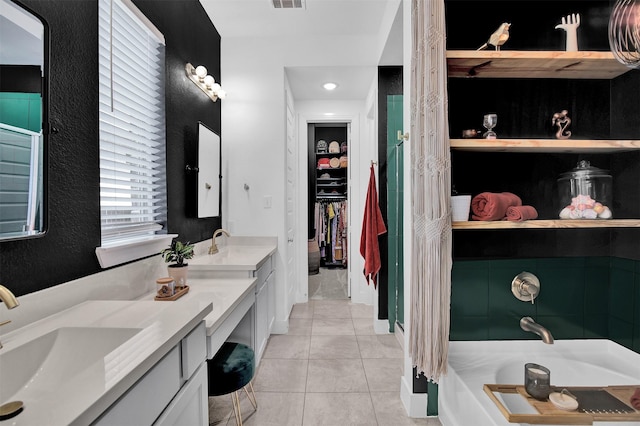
(520, 213)
(493, 205)
(635, 399)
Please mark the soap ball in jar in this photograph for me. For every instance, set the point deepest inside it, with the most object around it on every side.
(585, 193)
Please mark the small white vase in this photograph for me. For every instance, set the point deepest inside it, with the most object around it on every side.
(179, 274)
(460, 207)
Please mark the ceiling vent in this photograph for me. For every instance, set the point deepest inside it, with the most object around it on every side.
(288, 4)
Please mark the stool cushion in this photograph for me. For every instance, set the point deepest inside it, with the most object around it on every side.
(230, 369)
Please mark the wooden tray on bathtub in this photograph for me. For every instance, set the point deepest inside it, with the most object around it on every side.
(549, 414)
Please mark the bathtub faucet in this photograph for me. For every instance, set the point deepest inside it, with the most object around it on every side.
(528, 324)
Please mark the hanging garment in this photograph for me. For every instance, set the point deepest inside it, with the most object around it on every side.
(372, 227)
(331, 230)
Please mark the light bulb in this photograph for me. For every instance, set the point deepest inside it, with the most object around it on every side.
(222, 94)
(209, 80)
(215, 87)
(201, 72)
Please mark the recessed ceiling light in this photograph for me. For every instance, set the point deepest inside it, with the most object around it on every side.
(329, 86)
(329, 113)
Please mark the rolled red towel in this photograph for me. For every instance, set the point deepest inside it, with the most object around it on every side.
(521, 213)
(635, 399)
(492, 205)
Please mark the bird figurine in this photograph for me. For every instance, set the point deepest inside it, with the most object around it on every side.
(498, 38)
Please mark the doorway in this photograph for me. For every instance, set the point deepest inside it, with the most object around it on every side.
(328, 186)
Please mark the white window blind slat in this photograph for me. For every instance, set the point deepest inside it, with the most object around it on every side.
(132, 123)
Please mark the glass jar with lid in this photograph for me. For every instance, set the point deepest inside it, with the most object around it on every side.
(585, 193)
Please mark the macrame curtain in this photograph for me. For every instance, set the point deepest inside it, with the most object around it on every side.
(430, 187)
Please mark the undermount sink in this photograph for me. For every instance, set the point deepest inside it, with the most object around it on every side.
(53, 358)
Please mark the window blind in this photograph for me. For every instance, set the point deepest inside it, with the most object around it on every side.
(132, 124)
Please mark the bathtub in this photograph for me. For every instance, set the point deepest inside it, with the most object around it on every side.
(463, 402)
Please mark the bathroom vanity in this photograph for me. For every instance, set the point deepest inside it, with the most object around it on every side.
(74, 359)
(241, 258)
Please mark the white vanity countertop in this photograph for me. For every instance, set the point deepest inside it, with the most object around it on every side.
(236, 254)
(85, 394)
(224, 295)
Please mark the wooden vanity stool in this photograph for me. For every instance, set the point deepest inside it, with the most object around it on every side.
(231, 370)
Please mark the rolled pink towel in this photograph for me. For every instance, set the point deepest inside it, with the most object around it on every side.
(521, 213)
(492, 205)
(635, 399)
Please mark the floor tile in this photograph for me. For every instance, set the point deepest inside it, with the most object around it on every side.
(281, 375)
(336, 375)
(379, 346)
(300, 326)
(389, 411)
(323, 347)
(360, 310)
(285, 346)
(343, 409)
(329, 284)
(301, 310)
(332, 311)
(383, 374)
(332, 326)
(276, 409)
(329, 369)
(363, 326)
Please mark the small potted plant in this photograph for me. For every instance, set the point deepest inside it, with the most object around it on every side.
(177, 253)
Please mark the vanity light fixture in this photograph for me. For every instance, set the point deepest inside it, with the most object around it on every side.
(205, 82)
(329, 86)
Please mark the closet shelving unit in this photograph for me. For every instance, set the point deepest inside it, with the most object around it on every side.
(328, 184)
(544, 65)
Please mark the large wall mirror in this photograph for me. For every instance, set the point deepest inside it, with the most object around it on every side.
(23, 110)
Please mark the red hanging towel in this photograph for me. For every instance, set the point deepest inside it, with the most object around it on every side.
(372, 227)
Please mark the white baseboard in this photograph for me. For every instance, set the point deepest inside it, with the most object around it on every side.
(414, 403)
(280, 327)
(399, 333)
(381, 326)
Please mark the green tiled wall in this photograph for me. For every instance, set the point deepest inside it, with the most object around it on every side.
(582, 297)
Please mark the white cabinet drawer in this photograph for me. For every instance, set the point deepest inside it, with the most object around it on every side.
(190, 406)
(194, 350)
(263, 271)
(143, 403)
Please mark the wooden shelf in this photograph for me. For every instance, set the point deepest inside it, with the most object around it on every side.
(548, 224)
(545, 145)
(533, 64)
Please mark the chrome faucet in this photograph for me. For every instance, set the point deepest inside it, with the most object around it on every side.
(528, 324)
(214, 248)
(10, 300)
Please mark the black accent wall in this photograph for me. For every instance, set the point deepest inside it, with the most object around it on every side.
(67, 250)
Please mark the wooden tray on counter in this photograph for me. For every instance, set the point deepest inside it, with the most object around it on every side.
(181, 292)
(549, 414)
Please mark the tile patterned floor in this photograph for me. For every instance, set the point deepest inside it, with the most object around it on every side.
(331, 369)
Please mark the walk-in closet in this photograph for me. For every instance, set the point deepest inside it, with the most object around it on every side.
(328, 206)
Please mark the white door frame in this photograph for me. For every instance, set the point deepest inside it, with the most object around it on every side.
(357, 193)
